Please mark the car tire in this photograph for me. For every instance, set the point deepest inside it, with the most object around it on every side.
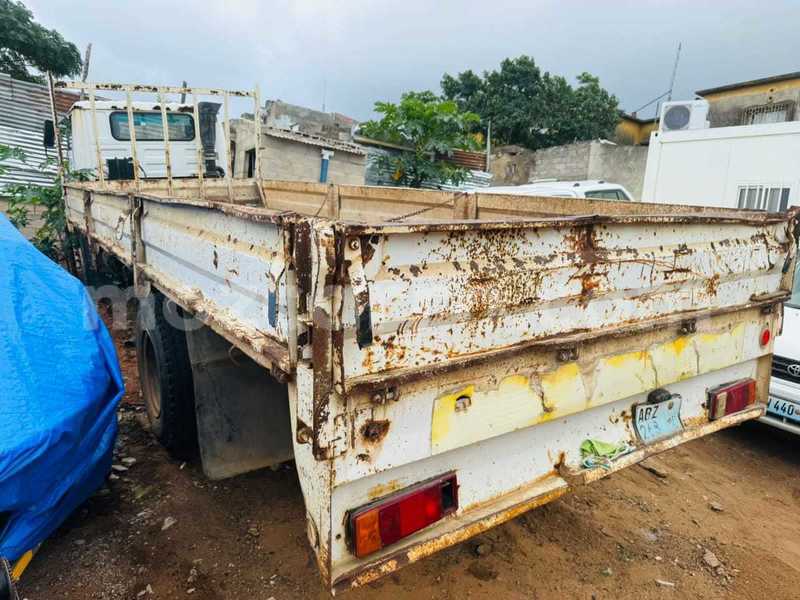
(165, 376)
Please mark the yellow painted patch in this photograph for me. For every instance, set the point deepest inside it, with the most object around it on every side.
(623, 375)
(516, 404)
(444, 408)
(674, 361)
(719, 350)
(564, 392)
(511, 406)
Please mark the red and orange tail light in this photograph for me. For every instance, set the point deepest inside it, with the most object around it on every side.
(729, 398)
(391, 519)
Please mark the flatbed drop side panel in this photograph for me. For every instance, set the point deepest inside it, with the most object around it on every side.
(488, 348)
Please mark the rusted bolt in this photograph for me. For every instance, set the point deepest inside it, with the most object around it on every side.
(304, 435)
(280, 375)
(463, 403)
(567, 354)
(353, 244)
(374, 431)
(385, 395)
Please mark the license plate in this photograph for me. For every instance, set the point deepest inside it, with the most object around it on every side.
(658, 420)
(783, 408)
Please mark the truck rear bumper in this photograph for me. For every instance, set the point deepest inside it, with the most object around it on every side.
(483, 517)
(575, 477)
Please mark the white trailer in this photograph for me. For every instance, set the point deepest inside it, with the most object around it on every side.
(752, 166)
(436, 363)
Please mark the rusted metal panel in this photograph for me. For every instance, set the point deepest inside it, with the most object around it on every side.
(441, 296)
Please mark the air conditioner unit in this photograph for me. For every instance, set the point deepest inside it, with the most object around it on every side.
(680, 116)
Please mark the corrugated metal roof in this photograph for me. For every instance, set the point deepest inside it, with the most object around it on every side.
(314, 140)
(24, 107)
(475, 161)
(377, 174)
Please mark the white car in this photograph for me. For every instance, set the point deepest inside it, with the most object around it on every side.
(783, 408)
(590, 188)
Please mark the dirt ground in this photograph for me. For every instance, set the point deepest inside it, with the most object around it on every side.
(719, 519)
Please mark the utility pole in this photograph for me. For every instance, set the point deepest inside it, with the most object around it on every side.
(674, 72)
(85, 72)
(489, 146)
(183, 95)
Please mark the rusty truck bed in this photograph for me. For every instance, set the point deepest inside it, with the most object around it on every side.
(424, 333)
(223, 255)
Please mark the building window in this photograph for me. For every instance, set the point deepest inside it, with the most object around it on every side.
(763, 197)
(149, 126)
(777, 112)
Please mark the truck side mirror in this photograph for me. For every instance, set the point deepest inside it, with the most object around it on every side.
(49, 134)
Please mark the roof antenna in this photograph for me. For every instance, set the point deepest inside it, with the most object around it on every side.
(674, 72)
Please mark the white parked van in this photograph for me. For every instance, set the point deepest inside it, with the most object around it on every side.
(590, 188)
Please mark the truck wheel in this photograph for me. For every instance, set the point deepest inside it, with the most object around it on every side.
(165, 376)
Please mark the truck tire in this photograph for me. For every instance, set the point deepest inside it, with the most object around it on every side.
(165, 376)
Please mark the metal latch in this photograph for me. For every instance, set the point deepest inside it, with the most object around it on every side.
(688, 326)
(358, 280)
(385, 395)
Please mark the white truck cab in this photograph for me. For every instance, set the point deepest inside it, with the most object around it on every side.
(590, 188)
(783, 408)
(113, 139)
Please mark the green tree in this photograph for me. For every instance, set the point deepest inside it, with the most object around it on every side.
(532, 108)
(24, 44)
(46, 201)
(430, 128)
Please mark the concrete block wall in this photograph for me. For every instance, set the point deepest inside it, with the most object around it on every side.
(290, 160)
(296, 161)
(570, 161)
(511, 165)
(624, 165)
(593, 160)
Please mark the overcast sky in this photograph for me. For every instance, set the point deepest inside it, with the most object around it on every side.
(356, 52)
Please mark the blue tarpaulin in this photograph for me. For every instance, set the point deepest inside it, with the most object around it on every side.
(60, 384)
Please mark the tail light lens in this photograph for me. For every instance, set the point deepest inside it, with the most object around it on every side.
(387, 521)
(766, 336)
(730, 398)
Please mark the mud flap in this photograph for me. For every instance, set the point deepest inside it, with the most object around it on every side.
(242, 411)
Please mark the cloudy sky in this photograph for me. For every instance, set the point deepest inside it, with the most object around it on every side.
(354, 52)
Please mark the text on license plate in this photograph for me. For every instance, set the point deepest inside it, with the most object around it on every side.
(658, 420)
(783, 408)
